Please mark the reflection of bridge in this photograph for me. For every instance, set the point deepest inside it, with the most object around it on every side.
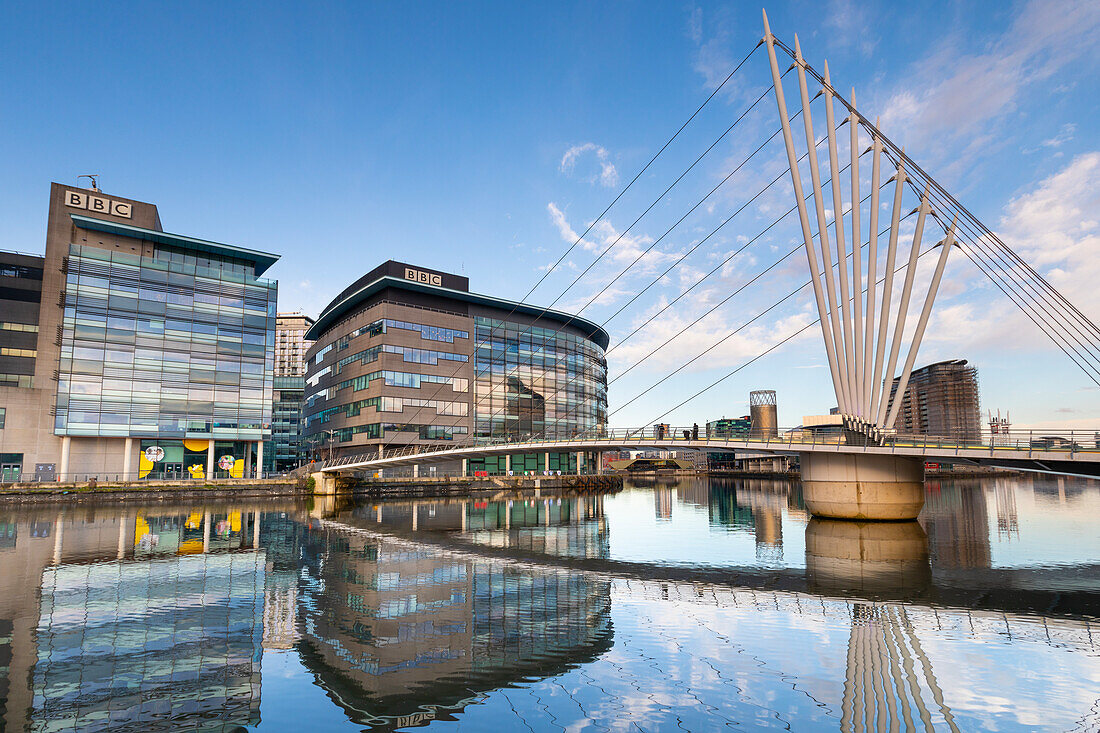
(895, 663)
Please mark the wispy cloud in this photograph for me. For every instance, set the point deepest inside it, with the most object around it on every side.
(955, 105)
(608, 175)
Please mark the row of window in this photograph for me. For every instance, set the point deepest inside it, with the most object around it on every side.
(16, 380)
(11, 351)
(431, 333)
(389, 404)
(408, 354)
(409, 380)
(24, 327)
(30, 273)
(425, 432)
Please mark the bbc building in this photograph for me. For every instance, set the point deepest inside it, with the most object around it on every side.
(126, 351)
(408, 356)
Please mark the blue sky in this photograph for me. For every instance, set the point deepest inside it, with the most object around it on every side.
(475, 138)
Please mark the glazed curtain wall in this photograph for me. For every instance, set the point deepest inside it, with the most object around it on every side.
(533, 381)
(176, 345)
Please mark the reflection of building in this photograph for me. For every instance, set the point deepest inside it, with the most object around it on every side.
(940, 399)
(142, 339)
(162, 645)
(401, 633)
(130, 622)
(394, 363)
(957, 522)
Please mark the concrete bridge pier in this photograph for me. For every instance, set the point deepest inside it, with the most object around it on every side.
(324, 483)
(861, 486)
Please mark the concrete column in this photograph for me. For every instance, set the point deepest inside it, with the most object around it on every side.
(259, 459)
(206, 532)
(128, 461)
(464, 467)
(508, 463)
(416, 470)
(63, 474)
(546, 467)
(867, 487)
(580, 463)
(255, 530)
(210, 459)
(247, 472)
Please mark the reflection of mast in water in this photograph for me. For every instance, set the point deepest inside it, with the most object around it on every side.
(663, 499)
(882, 679)
(1007, 522)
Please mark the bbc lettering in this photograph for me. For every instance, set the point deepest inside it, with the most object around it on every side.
(423, 277)
(98, 204)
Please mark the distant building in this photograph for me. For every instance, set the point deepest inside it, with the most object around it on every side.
(286, 449)
(291, 344)
(729, 427)
(941, 399)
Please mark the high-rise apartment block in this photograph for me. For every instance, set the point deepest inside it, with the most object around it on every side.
(941, 399)
(291, 344)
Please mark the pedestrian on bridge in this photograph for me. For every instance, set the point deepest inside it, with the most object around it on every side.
(695, 431)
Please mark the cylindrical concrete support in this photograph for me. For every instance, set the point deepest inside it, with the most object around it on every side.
(862, 486)
(259, 459)
(63, 474)
(128, 460)
(210, 459)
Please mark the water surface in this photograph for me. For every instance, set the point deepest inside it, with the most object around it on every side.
(686, 604)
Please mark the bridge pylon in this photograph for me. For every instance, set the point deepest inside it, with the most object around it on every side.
(862, 346)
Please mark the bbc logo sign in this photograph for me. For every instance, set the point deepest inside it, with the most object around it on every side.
(98, 204)
(423, 277)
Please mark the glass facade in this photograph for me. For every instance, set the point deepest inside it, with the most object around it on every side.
(177, 344)
(394, 365)
(537, 381)
(285, 449)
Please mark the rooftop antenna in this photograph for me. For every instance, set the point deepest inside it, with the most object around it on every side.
(93, 177)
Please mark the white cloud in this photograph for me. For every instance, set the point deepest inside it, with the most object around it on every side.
(1053, 228)
(608, 175)
(957, 105)
(1064, 136)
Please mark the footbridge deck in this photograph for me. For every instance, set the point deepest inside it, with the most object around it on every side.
(1069, 454)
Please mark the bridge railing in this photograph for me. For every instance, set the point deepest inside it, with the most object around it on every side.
(1030, 440)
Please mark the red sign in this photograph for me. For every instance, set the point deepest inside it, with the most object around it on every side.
(932, 466)
(481, 474)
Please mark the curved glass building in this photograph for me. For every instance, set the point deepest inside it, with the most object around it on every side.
(409, 356)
